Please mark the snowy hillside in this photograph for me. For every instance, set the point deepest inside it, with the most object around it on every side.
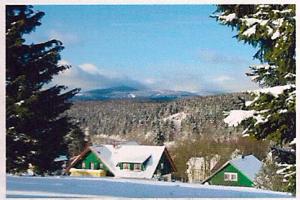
(176, 118)
(55, 187)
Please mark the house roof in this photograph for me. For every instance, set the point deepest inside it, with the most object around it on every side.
(248, 165)
(111, 155)
(134, 159)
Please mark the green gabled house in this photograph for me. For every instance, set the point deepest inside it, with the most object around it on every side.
(237, 172)
(124, 161)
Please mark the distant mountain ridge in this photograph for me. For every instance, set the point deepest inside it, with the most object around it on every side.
(126, 92)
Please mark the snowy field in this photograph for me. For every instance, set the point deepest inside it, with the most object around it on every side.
(73, 187)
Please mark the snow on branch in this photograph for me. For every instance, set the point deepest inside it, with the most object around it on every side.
(227, 18)
(274, 91)
(293, 141)
(276, 35)
(250, 31)
(251, 21)
(263, 66)
(20, 103)
(290, 75)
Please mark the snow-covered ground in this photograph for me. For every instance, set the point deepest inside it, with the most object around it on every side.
(72, 187)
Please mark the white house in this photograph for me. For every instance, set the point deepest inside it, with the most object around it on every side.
(198, 167)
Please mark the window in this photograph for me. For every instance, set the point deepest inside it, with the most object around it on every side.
(101, 166)
(226, 177)
(92, 165)
(229, 176)
(161, 165)
(125, 166)
(83, 165)
(137, 167)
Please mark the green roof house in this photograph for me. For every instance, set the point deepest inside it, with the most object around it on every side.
(124, 161)
(237, 172)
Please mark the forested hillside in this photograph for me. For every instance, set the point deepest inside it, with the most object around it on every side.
(157, 122)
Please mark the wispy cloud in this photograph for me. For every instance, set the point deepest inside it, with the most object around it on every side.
(215, 57)
(89, 68)
(65, 37)
(222, 78)
(200, 83)
(90, 76)
(195, 83)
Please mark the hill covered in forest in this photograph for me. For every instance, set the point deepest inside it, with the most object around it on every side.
(152, 122)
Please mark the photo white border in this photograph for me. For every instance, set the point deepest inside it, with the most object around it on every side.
(3, 3)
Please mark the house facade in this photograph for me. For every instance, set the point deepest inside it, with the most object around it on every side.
(199, 167)
(124, 161)
(237, 172)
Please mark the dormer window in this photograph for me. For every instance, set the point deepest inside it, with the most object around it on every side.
(126, 166)
(137, 167)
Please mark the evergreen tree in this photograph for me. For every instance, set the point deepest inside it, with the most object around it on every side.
(159, 138)
(268, 178)
(271, 114)
(75, 141)
(35, 127)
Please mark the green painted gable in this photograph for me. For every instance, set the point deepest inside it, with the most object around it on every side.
(89, 158)
(166, 168)
(218, 178)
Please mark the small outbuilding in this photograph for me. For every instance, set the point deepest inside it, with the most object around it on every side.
(240, 171)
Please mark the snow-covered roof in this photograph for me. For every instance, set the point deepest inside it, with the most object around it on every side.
(112, 155)
(248, 165)
(134, 159)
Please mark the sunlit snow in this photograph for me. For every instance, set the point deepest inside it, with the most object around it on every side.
(72, 187)
(235, 117)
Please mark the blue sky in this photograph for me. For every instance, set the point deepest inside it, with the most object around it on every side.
(146, 46)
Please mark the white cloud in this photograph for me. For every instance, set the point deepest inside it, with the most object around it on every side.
(89, 68)
(222, 78)
(149, 81)
(88, 76)
(63, 62)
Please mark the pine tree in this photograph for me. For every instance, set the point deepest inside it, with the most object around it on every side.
(159, 138)
(34, 125)
(75, 141)
(268, 179)
(271, 114)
